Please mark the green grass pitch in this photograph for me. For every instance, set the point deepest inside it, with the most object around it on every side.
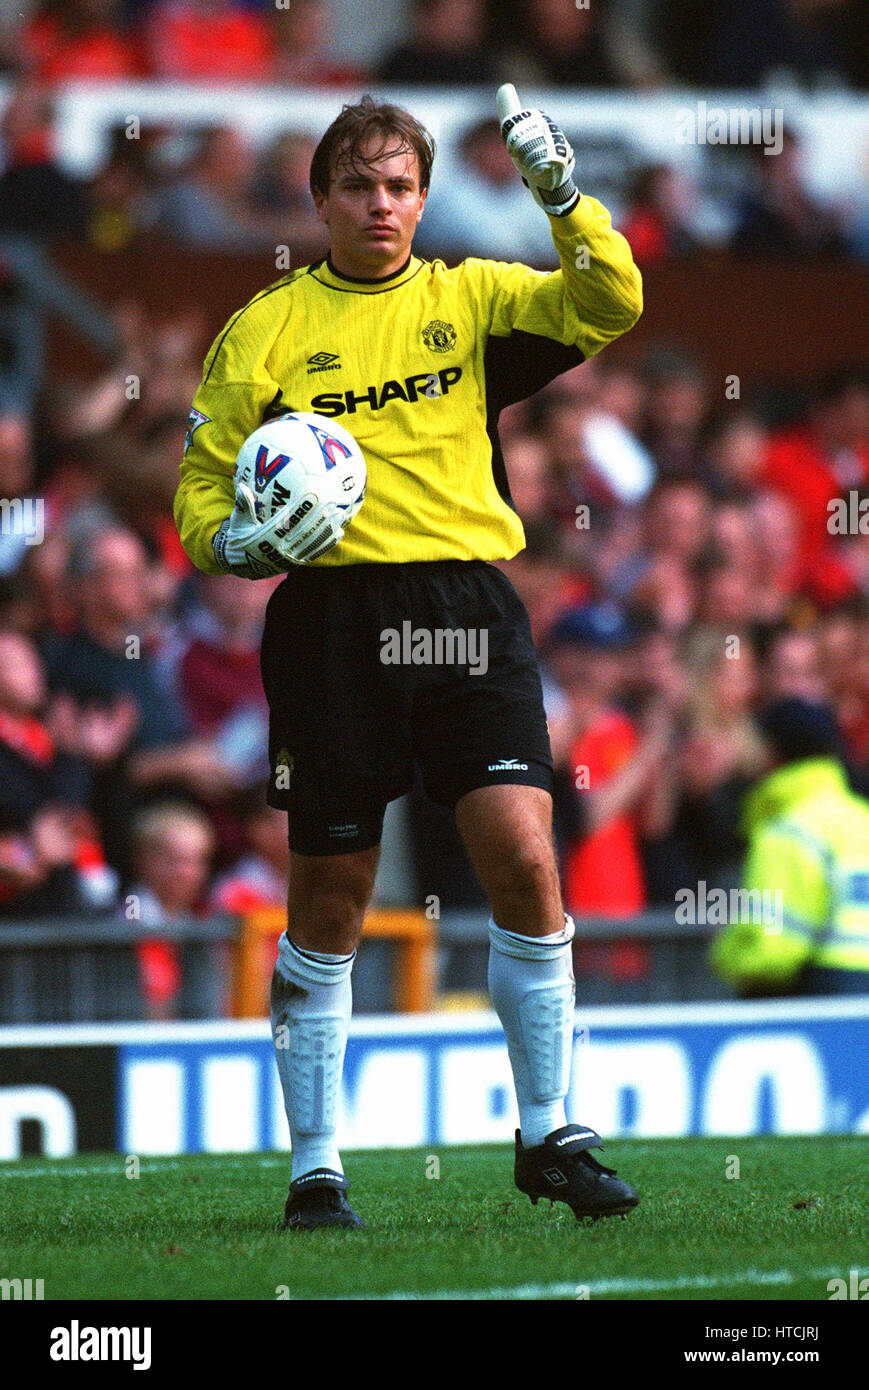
(206, 1227)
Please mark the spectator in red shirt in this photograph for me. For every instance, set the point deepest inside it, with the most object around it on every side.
(657, 220)
(609, 766)
(80, 40)
(173, 845)
(609, 763)
(603, 872)
(50, 856)
(209, 40)
(822, 459)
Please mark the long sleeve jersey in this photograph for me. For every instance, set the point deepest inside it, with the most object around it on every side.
(417, 366)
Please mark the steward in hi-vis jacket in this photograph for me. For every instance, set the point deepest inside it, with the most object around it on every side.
(808, 853)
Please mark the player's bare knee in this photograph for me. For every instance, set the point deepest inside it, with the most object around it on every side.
(326, 921)
(524, 887)
(327, 904)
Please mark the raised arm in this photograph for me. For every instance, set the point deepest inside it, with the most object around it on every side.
(599, 294)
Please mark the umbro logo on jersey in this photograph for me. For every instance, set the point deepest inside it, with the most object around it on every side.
(324, 362)
(508, 765)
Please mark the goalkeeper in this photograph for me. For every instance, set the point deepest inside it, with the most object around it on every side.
(417, 361)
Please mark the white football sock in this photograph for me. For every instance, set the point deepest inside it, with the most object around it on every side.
(532, 989)
(310, 1011)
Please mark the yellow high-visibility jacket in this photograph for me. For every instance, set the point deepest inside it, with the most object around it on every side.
(809, 841)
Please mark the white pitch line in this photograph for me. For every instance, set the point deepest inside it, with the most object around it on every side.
(167, 1165)
(598, 1287)
(149, 1165)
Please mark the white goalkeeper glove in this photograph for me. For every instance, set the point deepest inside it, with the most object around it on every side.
(257, 549)
(318, 531)
(540, 151)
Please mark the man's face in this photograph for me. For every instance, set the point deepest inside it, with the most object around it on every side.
(175, 865)
(118, 589)
(372, 210)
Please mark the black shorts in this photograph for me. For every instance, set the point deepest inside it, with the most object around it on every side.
(371, 668)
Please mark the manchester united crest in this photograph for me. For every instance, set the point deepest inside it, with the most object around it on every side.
(439, 336)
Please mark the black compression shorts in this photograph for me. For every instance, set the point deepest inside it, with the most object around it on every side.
(371, 668)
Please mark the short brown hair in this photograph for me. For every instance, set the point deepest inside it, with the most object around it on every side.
(353, 127)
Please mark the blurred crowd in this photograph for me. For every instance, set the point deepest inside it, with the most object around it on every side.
(204, 188)
(212, 188)
(478, 208)
(610, 43)
(681, 568)
(680, 572)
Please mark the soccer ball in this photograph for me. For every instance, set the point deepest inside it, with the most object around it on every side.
(305, 461)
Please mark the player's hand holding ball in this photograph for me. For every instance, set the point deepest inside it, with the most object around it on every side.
(243, 545)
(299, 480)
(541, 152)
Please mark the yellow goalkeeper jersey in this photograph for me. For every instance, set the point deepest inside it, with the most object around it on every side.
(418, 366)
